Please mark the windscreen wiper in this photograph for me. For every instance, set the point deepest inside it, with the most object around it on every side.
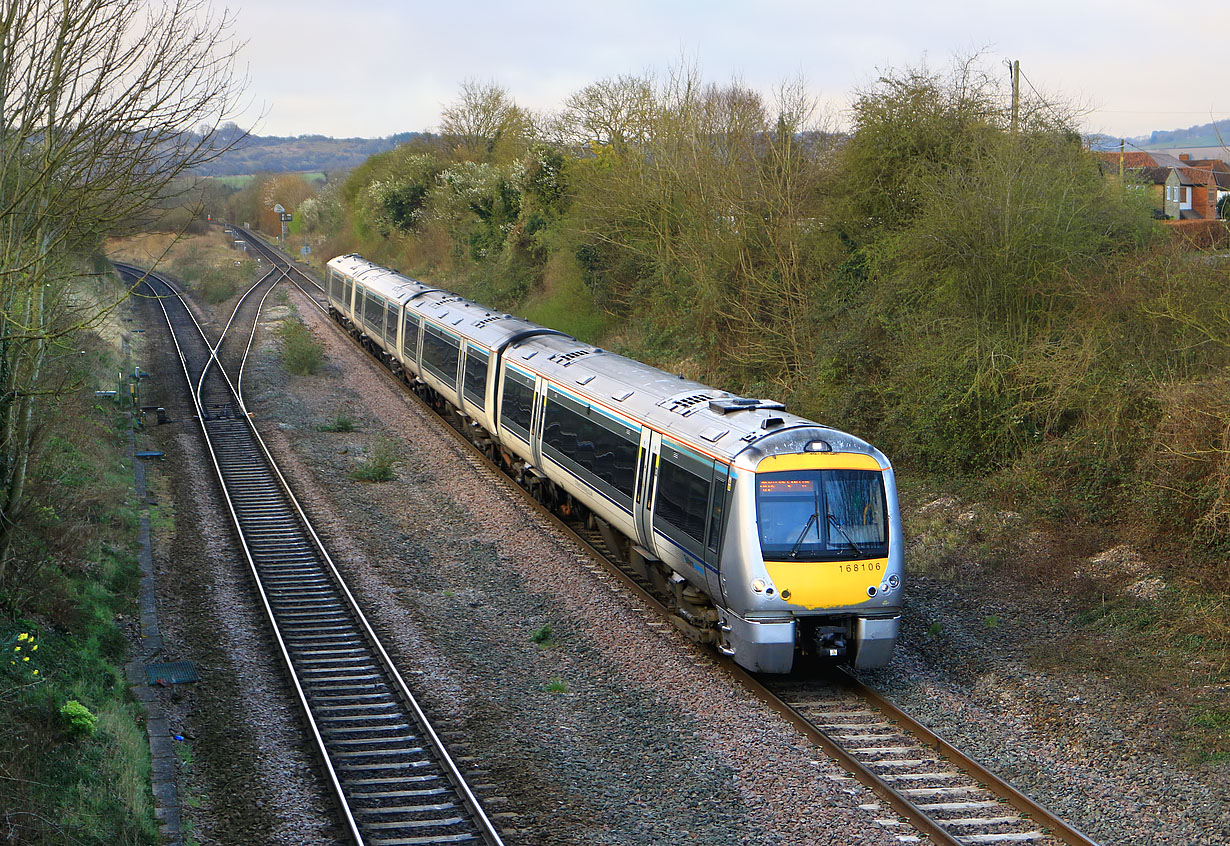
(794, 550)
(844, 533)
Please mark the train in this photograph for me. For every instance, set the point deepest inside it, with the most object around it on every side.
(771, 536)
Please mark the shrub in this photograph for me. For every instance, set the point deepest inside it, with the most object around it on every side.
(216, 286)
(1200, 234)
(378, 465)
(302, 354)
(78, 718)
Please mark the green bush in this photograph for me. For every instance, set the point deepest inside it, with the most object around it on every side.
(216, 286)
(78, 719)
(302, 354)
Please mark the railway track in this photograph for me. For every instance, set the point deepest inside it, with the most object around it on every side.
(395, 782)
(918, 776)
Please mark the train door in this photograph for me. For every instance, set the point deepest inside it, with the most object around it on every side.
(540, 392)
(719, 503)
(646, 478)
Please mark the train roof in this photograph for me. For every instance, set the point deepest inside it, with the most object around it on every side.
(485, 327)
(717, 422)
(388, 283)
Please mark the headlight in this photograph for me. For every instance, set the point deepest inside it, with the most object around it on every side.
(758, 585)
(894, 581)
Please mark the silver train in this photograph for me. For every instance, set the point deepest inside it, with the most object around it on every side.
(773, 535)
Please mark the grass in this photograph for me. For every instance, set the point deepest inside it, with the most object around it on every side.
(945, 535)
(242, 180)
(556, 686)
(566, 304)
(76, 786)
(206, 263)
(162, 503)
(302, 353)
(1210, 731)
(340, 423)
(544, 636)
(377, 465)
(1175, 648)
(215, 274)
(239, 181)
(183, 752)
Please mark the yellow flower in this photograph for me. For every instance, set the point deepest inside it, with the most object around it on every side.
(27, 658)
(35, 672)
(16, 648)
(34, 648)
(23, 636)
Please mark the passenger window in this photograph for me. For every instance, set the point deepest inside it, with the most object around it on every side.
(390, 322)
(600, 448)
(683, 495)
(476, 376)
(517, 403)
(717, 508)
(410, 336)
(441, 353)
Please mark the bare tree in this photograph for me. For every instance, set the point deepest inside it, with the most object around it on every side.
(98, 103)
(616, 111)
(486, 123)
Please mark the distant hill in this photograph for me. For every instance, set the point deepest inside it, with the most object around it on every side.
(1194, 138)
(277, 154)
(1204, 135)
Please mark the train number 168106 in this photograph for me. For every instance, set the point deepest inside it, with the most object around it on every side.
(860, 567)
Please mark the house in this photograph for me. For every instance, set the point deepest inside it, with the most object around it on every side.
(1181, 188)
(1210, 184)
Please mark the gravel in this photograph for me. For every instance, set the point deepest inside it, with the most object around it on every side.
(1076, 742)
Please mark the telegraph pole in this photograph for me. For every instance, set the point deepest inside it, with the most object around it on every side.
(1016, 92)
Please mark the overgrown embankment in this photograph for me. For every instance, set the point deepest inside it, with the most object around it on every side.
(74, 759)
(208, 263)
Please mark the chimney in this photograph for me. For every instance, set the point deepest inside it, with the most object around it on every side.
(1185, 157)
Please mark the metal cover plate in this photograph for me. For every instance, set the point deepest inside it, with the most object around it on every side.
(176, 672)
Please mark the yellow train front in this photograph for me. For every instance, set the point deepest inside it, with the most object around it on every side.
(814, 560)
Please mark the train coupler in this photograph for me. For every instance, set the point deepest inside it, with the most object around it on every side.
(831, 641)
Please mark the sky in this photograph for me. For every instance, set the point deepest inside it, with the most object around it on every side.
(377, 67)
